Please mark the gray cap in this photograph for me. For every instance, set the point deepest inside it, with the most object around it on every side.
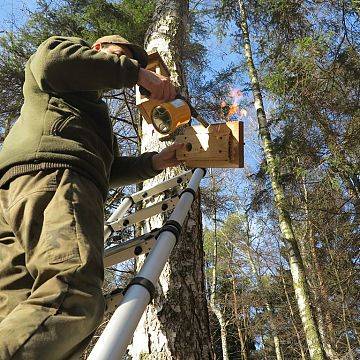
(139, 53)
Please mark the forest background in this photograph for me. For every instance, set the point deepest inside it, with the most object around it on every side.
(281, 235)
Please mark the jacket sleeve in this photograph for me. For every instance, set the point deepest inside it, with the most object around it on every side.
(68, 64)
(128, 170)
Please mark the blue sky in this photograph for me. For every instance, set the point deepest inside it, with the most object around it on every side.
(13, 10)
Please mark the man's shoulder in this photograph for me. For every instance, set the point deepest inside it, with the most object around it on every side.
(55, 40)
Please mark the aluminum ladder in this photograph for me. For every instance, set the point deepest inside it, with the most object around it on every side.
(158, 243)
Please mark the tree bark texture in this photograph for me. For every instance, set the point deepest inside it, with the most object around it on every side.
(261, 284)
(296, 265)
(241, 328)
(213, 294)
(317, 284)
(176, 324)
(293, 322)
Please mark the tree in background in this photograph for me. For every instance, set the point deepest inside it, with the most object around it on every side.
(214, 205)
(310, 68)
(295, 260)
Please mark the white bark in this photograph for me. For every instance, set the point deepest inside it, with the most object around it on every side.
(223, 330)
(213, 298)
(296, 265)
(303, 357)
(176, 325)
(263, 286)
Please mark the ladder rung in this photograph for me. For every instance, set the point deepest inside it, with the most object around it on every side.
(159, 188)
(160, 207)
(129, 249)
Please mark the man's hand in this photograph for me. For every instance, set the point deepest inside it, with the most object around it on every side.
(159, 86)
(167, 157)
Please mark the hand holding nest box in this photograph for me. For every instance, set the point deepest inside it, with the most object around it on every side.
(218, 145)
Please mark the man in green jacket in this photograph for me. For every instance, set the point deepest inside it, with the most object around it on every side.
(56, 165)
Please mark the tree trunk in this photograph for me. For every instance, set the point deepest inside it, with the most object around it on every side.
(223, 331)
(264, 289)
(292, 316)
(213, 298)
(345, 313)
(242, 336)
(176, 324)
(277, 347)
(296, 265)
(320, 292)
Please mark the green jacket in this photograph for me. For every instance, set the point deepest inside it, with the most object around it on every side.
(64, 122)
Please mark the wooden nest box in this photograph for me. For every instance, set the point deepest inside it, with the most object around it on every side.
(217, 146)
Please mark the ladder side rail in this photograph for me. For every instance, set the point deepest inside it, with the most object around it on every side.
(117, 335)
(124, 206)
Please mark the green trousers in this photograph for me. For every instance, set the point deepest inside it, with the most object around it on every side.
(51, 265)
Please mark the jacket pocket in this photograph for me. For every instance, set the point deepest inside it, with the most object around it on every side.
(59, 238)
(60, 124)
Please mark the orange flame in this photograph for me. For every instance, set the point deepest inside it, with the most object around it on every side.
(233, 109)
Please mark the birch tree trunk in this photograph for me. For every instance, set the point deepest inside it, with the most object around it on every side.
(219, 315)
(241, 328)
(213, 295)
(292, 317)
(317, 284)
(296, 265)
(216, 309)
(261, 284)
(176, 324)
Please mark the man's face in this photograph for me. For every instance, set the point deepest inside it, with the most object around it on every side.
(115, 49)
